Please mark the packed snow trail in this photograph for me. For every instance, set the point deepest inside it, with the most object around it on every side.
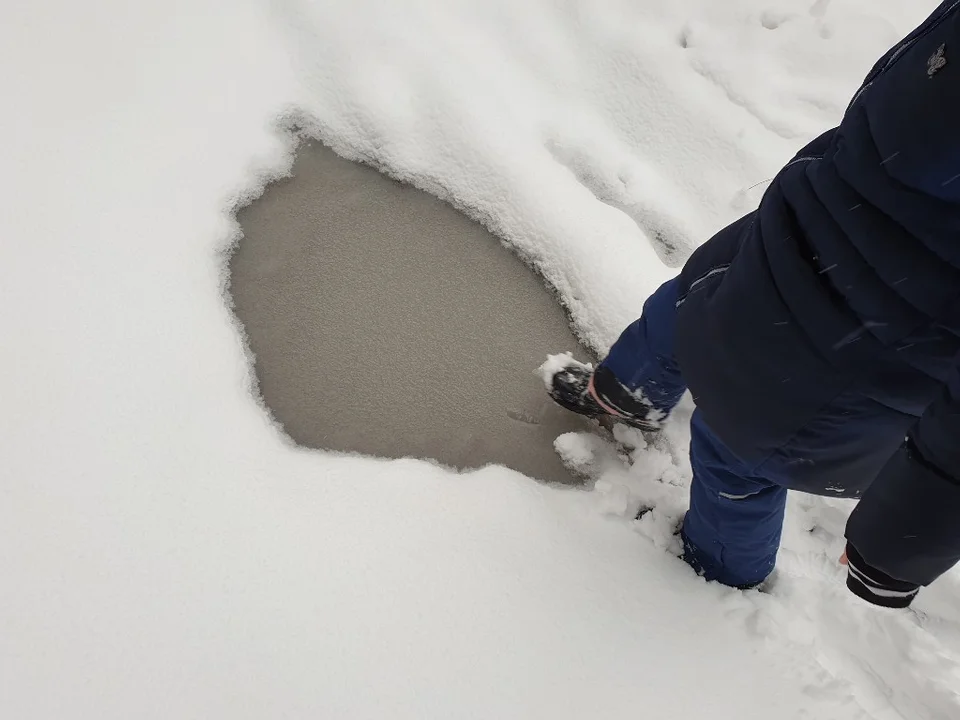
(167, 553)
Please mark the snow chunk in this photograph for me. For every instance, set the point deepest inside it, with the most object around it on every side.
(556, 363)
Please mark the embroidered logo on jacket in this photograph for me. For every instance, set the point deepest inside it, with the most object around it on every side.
(937, 61)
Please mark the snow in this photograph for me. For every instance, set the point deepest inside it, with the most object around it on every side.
(166, 552)
(555, 363)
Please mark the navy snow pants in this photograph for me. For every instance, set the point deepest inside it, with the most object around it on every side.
(732, 531)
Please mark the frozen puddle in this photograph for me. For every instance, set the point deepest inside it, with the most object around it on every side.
(386, 322)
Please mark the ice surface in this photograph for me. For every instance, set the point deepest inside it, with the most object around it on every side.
(166, 553)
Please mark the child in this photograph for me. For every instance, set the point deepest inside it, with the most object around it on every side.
(815, 334)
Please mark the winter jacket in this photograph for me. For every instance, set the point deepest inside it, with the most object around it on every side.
(820, 331)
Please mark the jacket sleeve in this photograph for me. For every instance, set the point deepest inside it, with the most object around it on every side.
(905, 532)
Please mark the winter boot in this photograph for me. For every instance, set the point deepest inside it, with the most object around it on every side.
(572, 388)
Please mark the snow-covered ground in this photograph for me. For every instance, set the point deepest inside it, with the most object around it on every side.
(166, 553)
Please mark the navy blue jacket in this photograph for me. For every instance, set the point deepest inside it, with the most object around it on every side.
(819, 331)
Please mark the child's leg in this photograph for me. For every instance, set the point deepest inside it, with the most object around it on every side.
(640, 373)
(732, 532)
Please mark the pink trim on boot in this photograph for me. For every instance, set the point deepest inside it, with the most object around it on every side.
(610, 410)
